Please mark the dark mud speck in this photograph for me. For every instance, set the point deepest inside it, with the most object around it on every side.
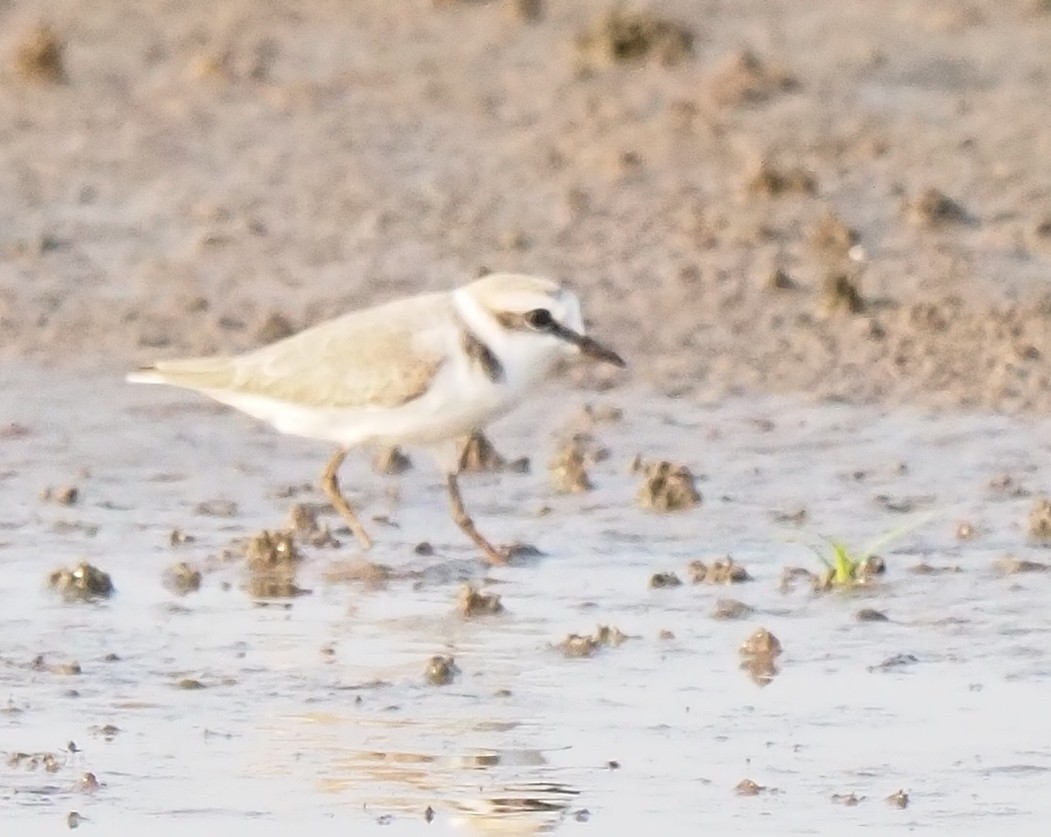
(869, 614)
(771, 180)
(39, 57)
(933, 208)
(841, 294)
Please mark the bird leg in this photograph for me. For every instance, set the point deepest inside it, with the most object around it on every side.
(494, 555)
(330, 485)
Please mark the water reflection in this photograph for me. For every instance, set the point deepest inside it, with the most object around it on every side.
(509, 790)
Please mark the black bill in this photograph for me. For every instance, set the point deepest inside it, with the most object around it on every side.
(588, 347)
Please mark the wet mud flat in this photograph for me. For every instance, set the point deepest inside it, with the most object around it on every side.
(621, 679)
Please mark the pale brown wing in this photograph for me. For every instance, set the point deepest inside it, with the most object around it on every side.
(380, 357)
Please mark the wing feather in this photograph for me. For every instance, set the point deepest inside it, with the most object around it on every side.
(380, 357)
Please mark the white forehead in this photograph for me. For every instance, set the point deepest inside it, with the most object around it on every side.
(516, 292)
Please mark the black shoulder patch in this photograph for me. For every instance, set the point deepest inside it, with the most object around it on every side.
(482, 356)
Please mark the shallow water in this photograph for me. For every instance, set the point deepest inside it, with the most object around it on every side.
(316, 715)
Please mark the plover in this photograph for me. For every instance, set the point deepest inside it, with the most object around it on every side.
(425, 370)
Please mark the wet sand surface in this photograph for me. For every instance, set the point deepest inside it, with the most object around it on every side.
(315, 714)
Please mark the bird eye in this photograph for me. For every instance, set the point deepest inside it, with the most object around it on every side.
(540, 318)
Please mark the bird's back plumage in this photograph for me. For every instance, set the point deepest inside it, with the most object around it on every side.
(363, 359)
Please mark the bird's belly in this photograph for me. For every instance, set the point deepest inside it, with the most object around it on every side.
(441, 413)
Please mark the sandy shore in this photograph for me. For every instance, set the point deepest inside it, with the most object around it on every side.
(179, 179)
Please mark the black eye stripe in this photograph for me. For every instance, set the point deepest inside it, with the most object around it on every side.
(539, 319)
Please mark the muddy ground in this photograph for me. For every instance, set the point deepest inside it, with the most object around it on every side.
(591, 697)
(181, 178)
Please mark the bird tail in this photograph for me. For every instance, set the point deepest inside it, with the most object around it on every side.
(191, 373)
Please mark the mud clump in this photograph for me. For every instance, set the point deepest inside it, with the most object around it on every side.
(441, 671)
(933, 208)
(635, 36)
(898, 661)
(929, 569)
(1019, 566)
(746, 79)
(762, 643)
(569, 472)
(833, 236)
(527, 11)
(479, 456)
(587, 645)
(272, 550)
(899, 799)
(272, 559)
(869, 614)
(34, 761)
(66, 495)
(849, 799)
(1040, 520)
(473, 603)
(304, 523)
(759, 655)
(216, 508)
(391, 461)
(748, 787)
(177, 537)
(372, 575)
(721, 571)
(601, 414)
(662, 580)
(851, 573)
(780, 280)
(39, 56)
(772, 181)
(181, 578)
(40, 663)
(665, 486)
(791, 576)
(729, 609)
(275, 327)
(82, 583)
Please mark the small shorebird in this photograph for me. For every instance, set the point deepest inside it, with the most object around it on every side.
(430, 369)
